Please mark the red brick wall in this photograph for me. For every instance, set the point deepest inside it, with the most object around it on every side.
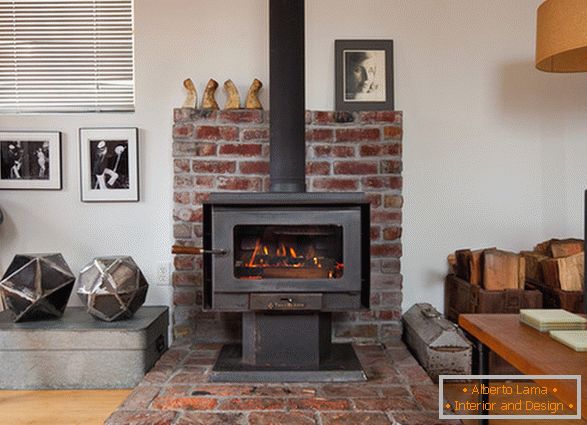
(217, 151)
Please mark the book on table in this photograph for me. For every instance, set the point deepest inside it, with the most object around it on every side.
(549, 320)
(577, 340)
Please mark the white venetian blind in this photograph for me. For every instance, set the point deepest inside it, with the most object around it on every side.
(66, 55)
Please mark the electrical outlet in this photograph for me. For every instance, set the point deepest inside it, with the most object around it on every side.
(162, 276)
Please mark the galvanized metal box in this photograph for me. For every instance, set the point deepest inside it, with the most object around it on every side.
(439, 345)
(78, 351)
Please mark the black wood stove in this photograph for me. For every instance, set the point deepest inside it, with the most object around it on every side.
(286, 259)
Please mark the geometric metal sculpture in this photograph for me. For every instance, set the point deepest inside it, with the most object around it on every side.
(37, 286)
(112, 288)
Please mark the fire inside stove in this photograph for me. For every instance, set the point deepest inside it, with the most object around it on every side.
(288, 252)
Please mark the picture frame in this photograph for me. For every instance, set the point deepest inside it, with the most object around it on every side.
(30, 160)
(364, 75)
(109, 164)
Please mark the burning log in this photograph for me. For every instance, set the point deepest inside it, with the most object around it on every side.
(282, 261)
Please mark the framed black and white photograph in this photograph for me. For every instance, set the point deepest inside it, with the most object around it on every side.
(30, 160)
(109, 164)
(364, 75)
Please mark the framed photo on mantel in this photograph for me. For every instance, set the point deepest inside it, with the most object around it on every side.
(109, 164)
(364, 75)
(30, 160)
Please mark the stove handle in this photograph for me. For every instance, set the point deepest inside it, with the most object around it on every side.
(192, 250)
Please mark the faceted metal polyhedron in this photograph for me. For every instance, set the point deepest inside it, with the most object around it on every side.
(112, 288)
(37, 286)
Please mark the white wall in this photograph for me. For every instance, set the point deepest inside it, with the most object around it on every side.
(494, 149)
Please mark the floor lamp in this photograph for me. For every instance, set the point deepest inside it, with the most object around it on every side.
(561, 46)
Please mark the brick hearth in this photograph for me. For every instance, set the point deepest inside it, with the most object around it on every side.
(176, 392)
(215, 151)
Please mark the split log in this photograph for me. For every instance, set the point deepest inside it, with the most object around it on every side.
(469, 265)
(565, 247)
(521, 272)
(543, 248)
(476, 267)
(191, 101)
(452, 263)
(208, 100)
(253, 101)
(464, 260)
(500, 270)
(572, 272)
(533, 268)
(550, 272)
(566, 273)
(233, 98)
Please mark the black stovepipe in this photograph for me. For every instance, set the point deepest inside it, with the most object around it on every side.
(287, 96)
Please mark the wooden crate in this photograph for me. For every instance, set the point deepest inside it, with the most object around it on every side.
(557, 298)
(461, 297)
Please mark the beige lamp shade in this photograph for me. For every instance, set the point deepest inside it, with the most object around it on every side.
(561, 36)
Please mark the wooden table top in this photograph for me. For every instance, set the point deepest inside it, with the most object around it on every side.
(530, 351)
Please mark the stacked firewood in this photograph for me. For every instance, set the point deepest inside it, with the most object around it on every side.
(492, 269)
(556, 263)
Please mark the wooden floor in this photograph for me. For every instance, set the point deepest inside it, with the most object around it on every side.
(65, 407)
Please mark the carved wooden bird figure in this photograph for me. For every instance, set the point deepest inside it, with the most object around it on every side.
(208, 100)
(253, 101)
(191, 100)
(233, 100)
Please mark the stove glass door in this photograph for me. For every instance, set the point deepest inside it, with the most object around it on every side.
(288, 252)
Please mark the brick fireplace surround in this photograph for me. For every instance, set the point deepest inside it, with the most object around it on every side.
(216, 151)
(228, 151)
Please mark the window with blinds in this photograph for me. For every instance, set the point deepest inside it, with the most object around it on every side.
(66, 56)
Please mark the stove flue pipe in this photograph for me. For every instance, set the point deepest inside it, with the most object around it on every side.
(287, 96)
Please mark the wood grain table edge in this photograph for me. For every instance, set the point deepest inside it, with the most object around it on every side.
(533, 364)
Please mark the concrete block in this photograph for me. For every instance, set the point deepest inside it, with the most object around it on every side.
(80, 352)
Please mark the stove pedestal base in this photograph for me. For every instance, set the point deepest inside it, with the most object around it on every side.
(342, 365)
(286, 339)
